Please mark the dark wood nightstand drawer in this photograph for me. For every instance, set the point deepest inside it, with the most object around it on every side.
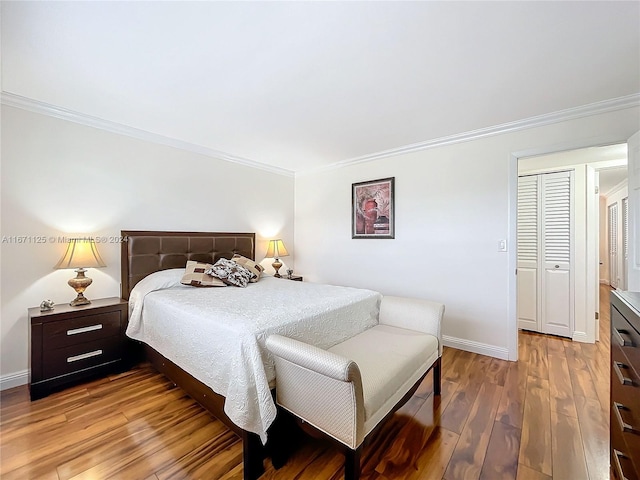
(83, 329)
(78, 357)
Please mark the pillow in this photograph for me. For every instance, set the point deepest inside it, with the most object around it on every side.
(230, 272)
(196, 276)
(255, 268)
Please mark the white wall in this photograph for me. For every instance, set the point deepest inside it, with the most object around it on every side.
(61, 178)
(453, 204)
(633, 272)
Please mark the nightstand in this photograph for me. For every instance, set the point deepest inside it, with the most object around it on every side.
(295, 278)
(72, 344)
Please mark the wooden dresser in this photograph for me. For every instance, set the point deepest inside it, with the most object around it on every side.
(625, 385)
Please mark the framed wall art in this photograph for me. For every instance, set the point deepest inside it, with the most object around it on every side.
(372, 209)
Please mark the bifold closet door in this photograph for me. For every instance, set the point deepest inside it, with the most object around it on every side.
(545, 251)
(528, 245)
(557, 253)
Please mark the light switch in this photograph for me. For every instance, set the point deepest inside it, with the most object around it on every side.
(502, 245)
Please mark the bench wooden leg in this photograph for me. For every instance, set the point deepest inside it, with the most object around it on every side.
(437, 373)
(352, 463)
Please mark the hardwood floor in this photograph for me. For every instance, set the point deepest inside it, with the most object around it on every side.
(545, 416)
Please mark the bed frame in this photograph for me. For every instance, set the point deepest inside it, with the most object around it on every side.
(145, 252)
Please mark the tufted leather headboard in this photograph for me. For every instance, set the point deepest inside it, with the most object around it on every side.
(145, 252)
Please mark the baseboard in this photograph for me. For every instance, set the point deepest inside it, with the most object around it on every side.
(475, 347)
(14, 380)
(582, 337)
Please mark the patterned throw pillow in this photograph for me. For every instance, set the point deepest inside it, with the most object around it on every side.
(255, 268)
(230, 272)
(196, 276)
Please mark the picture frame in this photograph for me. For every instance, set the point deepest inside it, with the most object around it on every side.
(373, 209)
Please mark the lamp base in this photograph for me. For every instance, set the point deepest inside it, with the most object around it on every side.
(80, 300)
(276, 266)
(80, 284)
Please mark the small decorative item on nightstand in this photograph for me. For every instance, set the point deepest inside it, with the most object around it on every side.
(46, 306)
(295, 278)
(289, 273)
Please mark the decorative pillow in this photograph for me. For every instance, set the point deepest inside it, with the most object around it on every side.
(230, 272)
(255, 268)
(195, 275)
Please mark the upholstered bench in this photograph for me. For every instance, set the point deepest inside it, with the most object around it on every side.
(346, 391)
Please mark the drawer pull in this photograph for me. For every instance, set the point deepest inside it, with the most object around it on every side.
(622, 337)
(625, 427)
(95, 353)
(617, 454)
(91, 328)
(617, 367)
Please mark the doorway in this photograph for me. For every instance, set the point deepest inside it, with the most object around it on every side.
(615, 227)
(587, 164)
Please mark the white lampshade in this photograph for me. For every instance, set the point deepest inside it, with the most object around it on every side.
(276, 249)
(81, 253)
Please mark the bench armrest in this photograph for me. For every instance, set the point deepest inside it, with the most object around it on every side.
(413, 314)
(313, 358)
(320, 387)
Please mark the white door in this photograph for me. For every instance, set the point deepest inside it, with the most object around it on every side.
(557, 249)
(593, 248)
(612, 213)
(527, 278)
(624, 231)
(545, 292)
(633, 167)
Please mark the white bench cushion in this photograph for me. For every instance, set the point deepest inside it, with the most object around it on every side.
(391, 360)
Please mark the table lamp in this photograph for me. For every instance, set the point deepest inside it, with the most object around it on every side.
(276, 249)
(82, 253)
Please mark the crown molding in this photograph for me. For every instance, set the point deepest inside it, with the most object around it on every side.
(616, 188)
(36, 106)
(620, 103)
(43, 108)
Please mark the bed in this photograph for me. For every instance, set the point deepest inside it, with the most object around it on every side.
(210, 341)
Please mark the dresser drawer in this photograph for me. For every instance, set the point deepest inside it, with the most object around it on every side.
(78, 357)
(623, 335)
(82, 329)
(625, 400)
(622, 371)
(621, 462)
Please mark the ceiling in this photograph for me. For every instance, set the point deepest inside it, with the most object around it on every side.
(303, 85)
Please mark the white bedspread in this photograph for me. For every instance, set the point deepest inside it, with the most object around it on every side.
(218, 334)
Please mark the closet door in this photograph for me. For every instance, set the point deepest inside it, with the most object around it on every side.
(557, 252)
(545, 285)
(613, 244)
(527, 235)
